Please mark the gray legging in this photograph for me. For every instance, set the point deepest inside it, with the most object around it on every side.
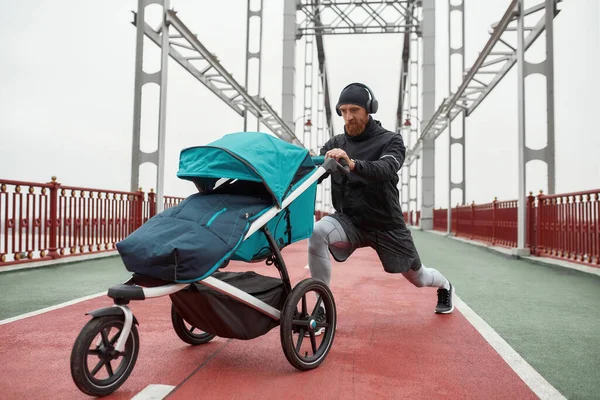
(328, 235)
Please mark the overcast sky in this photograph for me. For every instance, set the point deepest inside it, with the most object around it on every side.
(66, 92)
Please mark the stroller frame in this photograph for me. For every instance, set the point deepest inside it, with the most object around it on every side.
(122, 294)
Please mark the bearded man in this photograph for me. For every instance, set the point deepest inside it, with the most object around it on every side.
(367, 200)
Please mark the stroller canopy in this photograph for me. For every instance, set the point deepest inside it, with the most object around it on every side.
(252, 156)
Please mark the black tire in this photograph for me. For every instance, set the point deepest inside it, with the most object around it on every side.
(85, 379)
(294, 321)
(185, 334)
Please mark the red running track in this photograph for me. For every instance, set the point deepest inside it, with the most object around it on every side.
(389, 344)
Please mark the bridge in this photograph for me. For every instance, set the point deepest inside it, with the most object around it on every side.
(526, 268)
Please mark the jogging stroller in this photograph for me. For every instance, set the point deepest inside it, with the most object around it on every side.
(256, 195)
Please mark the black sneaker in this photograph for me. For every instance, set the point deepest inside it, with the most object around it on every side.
(445, 304)
(319, 318)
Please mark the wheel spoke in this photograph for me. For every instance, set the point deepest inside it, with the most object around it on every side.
(192, 330)
(313, 342)
(319, 302)
(94, 352)
(97, 368)
(109, 369)
(300, 340)
(116, 337)
(300, 322)
(105, 340)
(322, 325)
(304, 306)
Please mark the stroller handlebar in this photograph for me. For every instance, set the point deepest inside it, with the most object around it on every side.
(331, 165)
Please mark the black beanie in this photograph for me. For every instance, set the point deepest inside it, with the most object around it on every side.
(354, 94)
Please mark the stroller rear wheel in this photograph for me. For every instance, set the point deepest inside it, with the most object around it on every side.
(95, 365)
(301, 324)
(185, 334)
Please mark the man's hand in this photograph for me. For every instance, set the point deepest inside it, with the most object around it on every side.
(340, 154)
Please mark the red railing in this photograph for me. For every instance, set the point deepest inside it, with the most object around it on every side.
(568, 226)
(43, 221)
(563, 226)
(412, 218)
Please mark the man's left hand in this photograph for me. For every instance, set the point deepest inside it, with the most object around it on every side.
(340, 154)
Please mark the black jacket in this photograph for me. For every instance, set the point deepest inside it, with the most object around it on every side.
(369, 195)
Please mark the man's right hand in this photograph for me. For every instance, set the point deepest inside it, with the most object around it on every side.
(340, 154)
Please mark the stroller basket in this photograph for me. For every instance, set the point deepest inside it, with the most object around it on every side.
(212, 311)
(220, 314)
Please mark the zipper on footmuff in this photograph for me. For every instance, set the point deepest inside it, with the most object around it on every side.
(215, 216)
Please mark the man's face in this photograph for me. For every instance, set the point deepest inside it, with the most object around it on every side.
(355, 118)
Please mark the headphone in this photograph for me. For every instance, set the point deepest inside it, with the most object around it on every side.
(372, 103)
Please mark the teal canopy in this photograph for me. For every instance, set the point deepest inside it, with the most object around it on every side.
(253, 156)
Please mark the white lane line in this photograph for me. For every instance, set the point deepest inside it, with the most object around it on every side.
(52, 308)
(540, 386)
(153, 392)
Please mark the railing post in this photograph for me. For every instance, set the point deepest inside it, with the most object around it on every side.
(139, 206)
(472, 219)
(494, 224)
(151, 204)
(53, 246)
(455, 215)
(536, 242)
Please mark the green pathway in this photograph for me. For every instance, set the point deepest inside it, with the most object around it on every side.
(28, 290)
(549, 315)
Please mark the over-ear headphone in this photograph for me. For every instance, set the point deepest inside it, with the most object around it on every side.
(372, 103)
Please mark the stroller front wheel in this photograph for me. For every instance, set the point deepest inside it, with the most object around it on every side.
(95, 365)
(307, 330)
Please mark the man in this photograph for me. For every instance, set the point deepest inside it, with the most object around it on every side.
(366, 201)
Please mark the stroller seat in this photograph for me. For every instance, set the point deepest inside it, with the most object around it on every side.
(189, 242)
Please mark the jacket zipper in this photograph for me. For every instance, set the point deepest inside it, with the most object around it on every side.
(215, 215)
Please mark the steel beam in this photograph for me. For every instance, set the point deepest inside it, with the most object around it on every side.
(162, 110)
(521, 211)
(459, 141)
(323, 76)
(350, 17)
(138, 157)
(256, 71)
(141, 78)
(307, 138)
(288, 87)
(428, 103)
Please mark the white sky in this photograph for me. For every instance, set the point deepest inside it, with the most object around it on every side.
(66, 92)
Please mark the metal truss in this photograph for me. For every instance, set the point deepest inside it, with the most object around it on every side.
(356, 16)
(207, 69)
(499, 52)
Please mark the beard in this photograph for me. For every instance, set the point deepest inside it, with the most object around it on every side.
(356, 126)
